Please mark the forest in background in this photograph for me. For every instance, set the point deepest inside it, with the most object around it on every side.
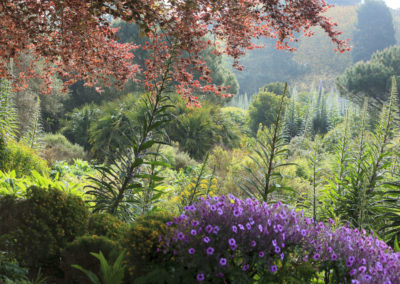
(325, 142)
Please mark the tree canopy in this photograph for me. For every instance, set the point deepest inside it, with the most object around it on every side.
(372, 78)
(374, 30)
(75, 40)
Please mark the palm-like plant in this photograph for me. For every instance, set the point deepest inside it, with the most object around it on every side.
(120, 187)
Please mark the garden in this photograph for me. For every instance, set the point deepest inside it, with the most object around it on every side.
(199, 142)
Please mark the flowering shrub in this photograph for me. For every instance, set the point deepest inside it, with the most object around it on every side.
(228, 238)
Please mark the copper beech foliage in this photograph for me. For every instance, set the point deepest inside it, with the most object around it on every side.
(75, 40)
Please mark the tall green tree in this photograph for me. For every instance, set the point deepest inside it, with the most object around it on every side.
(372, 78)
(374, 30)
(263, 110)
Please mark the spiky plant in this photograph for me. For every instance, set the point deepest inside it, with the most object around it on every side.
(269, 155)
(336, 182)
(120, 187)
(8, 114)
(32, 136)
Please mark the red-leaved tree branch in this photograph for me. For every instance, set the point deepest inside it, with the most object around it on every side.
(74, 38)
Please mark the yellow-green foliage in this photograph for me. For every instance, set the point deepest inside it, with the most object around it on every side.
(78, 252)
(229, 167)
(35, 229)
(104, 224)
(22, 159)
(10, 184)
(142, 240)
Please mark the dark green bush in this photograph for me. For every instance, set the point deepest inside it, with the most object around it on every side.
(78, 252)
(104, 224)
(141, 243)
(36, 229)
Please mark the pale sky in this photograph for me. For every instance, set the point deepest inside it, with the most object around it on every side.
(394, 4)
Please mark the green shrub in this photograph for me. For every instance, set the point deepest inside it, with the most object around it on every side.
(176, 158)
(104, 224)
(141, 243)
(22, 159)
(34, 230)
(58, 148)
(11, 271)
(78, 252)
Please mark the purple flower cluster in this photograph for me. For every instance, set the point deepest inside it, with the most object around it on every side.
(226, 232)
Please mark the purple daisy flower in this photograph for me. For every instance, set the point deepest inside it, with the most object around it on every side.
(192, 251)
(261, 254)
(273, 268)
(181, 235)
(193, 232)
(210, 250)
(209, 228)
(353, 272)
(222, 261)
(253, 243)
(348, 263)
(232, 242)
(206, 240)
(362, 269)
(234, 229)
(200, 277)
